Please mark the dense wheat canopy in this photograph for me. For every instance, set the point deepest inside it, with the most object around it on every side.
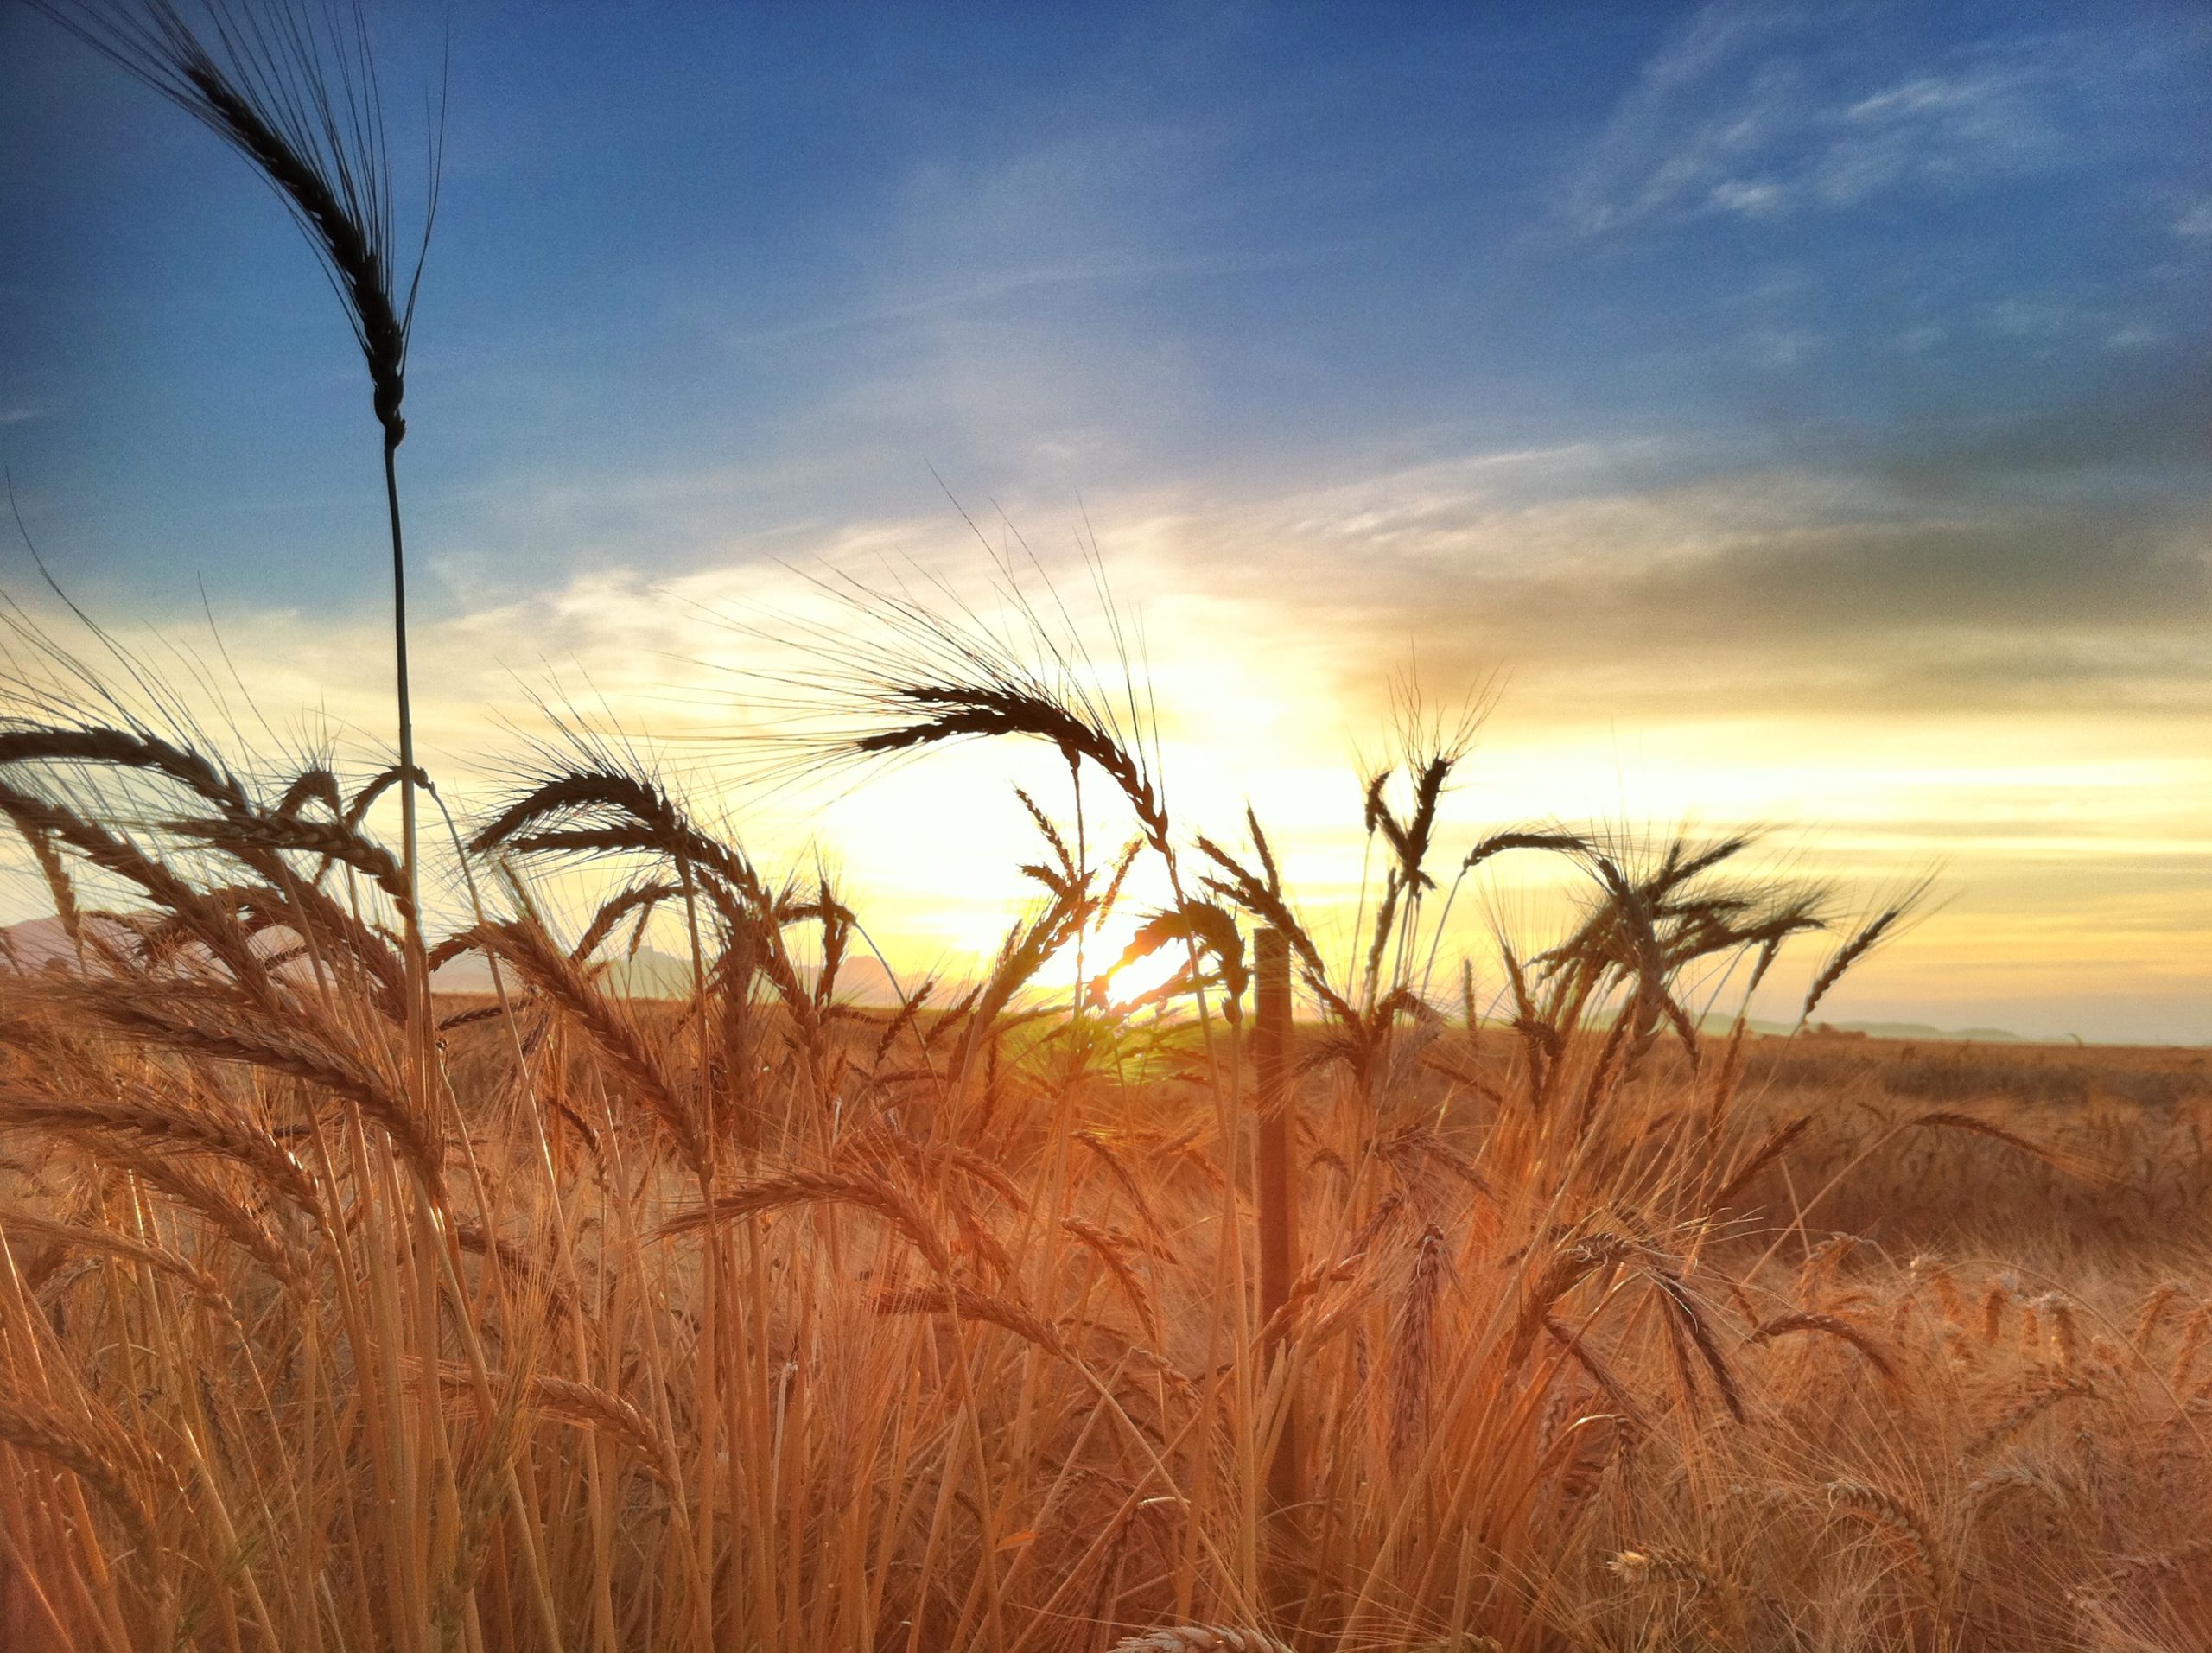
(767, 1312)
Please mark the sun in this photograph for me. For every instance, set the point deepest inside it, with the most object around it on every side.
(1103, 948)
(1095, 954)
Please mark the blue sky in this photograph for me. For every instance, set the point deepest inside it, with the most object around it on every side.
(768, 266)
(1844, 364)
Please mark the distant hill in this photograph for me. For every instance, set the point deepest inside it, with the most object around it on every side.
(39, 944)
(1876, 1030)
(1923, 1030)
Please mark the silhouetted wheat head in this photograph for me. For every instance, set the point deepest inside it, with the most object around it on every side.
(897, 674)
(293, 89)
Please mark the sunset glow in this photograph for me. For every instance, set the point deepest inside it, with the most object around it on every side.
(1741, 423)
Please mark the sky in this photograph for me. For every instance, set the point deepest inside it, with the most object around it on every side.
(1802, 414)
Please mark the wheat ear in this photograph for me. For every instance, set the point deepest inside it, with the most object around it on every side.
(1199, 1639)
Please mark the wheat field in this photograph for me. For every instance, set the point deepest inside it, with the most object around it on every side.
(755, 1316)
(383, 1267)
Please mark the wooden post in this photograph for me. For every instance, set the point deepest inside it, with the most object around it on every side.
(1278, 1179)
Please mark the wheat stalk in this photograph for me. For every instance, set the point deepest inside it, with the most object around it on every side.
(295, 96)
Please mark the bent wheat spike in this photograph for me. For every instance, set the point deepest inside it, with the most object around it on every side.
(1200, 1639)
(1893, 1515)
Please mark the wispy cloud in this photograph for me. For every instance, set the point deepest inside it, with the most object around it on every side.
(1764, 113)
(966, 292)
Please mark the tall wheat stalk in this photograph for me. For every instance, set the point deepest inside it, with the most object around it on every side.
(294, 91)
